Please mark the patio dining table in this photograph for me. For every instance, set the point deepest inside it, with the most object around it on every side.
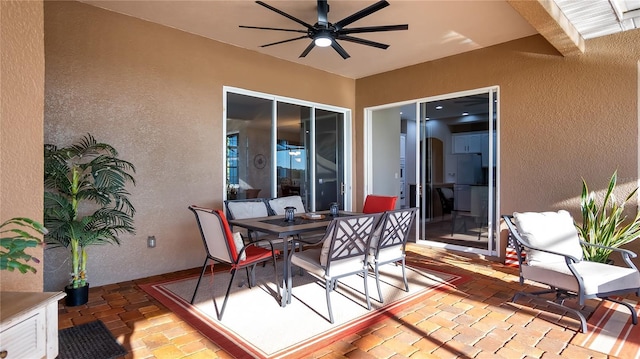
(278, 226)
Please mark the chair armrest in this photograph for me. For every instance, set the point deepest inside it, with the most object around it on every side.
(615, 249)
(255, 243)
(567, 257)
(626, 254)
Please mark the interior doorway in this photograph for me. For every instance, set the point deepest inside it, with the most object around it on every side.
(449, 165)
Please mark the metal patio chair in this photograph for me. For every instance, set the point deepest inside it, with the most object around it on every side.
(344, 252)
(220, 246)
(554, 257)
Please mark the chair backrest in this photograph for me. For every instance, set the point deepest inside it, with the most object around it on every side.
(277, 205)
(252, 192)
(216, 234)
(348, 237)
(246, 208)
(446, 199)
(393, 229)
(553, 231)
(378, 204)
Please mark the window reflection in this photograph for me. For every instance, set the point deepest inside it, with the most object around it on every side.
(305, 158)
(292, 165)
(248, 119)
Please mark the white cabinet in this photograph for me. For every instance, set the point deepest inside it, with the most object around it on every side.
(29, 324)
(467, 142)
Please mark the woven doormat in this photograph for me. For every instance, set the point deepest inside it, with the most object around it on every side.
(88, 341)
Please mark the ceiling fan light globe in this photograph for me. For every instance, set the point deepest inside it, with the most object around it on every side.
(322, 41)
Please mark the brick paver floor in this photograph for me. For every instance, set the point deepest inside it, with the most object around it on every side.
(474, 320)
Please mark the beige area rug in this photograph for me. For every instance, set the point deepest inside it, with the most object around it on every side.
(611, 332)
(254, 324)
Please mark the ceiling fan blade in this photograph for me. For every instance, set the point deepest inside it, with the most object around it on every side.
(271, 28)
(359, 30)
(336, 46)
(285, 15)
(283, 41)
(323, 9)
(308, 49)
(360, 14)
(364, 42)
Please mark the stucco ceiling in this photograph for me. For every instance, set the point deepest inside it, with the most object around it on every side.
(437, 29)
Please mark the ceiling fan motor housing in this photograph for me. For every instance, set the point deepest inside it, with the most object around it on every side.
(330, 33)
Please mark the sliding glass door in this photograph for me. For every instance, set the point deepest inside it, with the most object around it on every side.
(457, 170)
(439, 154)
(329, 159)
(280, 147)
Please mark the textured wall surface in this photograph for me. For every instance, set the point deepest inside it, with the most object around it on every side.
(562, 118)
(155, 94)
(21, 116)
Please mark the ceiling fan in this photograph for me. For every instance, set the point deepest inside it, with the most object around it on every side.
(324, 34)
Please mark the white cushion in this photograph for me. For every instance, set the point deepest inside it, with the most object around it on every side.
(388, 254)
(553, 231)
(279, 204)
(248, 209)
(597, 277)
(237, 240)
(308, 260)
(324, 251)
(375, 237)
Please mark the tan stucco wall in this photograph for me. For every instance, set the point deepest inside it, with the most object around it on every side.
(21, 117)
(562, 118)
(155, 93)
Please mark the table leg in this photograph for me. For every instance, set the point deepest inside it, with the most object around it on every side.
(286, 278)
(289, 271)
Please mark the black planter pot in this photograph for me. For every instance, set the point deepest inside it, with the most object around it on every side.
(76, 296)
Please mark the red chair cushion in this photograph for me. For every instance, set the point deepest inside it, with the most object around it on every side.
(378, 204)
(254, 253)
(228, 235)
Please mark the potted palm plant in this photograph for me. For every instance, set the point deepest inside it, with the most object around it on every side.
(85, 203)
(18, 234)
(606, 223)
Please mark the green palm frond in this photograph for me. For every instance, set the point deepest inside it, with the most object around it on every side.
(86, 176)
(15, 240)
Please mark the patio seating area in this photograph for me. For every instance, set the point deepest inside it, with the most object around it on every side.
(475, 320)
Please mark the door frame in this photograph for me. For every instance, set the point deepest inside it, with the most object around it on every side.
(348, 143)
(494, 248)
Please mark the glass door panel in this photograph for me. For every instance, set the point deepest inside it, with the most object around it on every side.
(292, 146)
(248, 150)
(277, 147)
(424, 167)
(457, 175)
(329, 159)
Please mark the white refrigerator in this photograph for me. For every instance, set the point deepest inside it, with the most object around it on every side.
(468, 173)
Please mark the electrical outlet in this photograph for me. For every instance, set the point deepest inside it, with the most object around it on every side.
(151, 241)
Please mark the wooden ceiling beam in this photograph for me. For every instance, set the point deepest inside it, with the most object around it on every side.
(546, 17)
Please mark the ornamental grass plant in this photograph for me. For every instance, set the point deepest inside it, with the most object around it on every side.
(606, 223)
